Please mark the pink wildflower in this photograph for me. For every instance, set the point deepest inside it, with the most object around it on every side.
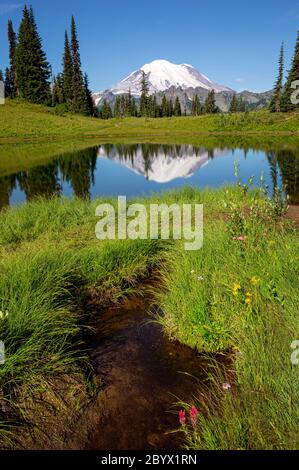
(182, 418)
(193, 415)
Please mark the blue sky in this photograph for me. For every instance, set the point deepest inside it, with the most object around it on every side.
(233, 42)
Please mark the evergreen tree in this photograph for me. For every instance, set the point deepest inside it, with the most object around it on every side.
(54, 92)
(164, 107)
(12, 59)
(144, 96)
(153, 110)
(89, 100)
(130, 106)
(123, 103)
(58, 90)
(210, 103)
(79, 93)
(286, 103)
(32, 69)
(117, 108)
(241, 105)
(1, 76)
(67, 64)
(8, 84)
(170, 108)
(157, 108)
(193, 106)
(234, 104)
(177, 107)
(275, 105)
(106, 111)
(196, 108)
(134, 108)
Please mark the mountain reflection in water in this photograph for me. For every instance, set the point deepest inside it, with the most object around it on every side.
(140, 169)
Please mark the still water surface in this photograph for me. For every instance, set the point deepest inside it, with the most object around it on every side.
(141, 169)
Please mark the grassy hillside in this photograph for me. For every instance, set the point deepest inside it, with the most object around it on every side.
(26, 121)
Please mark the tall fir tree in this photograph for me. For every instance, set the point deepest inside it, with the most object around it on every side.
(8, 84)
(144, 111)
(67, 64)
(286, 101)
(164, 107)
(1, 76)
(129, 104)
(170, 108)
(89, 100)
(12, 40)
(275, 105)
(151, 111)
(106, 111)
(210, 103)
(196, 108)
(242, 106)
(117, 107)
(177, 107)
(156, 107)
(57, 90)
(79, 94)
(234, 104)
(32, 68)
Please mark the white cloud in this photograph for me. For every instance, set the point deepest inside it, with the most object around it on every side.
(239, 80)
(9, 7)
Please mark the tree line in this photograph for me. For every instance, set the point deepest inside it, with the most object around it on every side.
(29, 75)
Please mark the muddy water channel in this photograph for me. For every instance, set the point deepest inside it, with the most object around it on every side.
(144, 375)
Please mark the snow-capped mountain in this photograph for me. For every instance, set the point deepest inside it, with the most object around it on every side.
(161, 76)
(162, 167)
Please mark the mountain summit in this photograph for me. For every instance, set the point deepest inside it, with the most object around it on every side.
(161, 76)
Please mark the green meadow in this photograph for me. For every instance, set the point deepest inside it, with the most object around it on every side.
(20, 121)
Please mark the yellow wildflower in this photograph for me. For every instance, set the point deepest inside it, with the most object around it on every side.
(236, 289)
(255, 280)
